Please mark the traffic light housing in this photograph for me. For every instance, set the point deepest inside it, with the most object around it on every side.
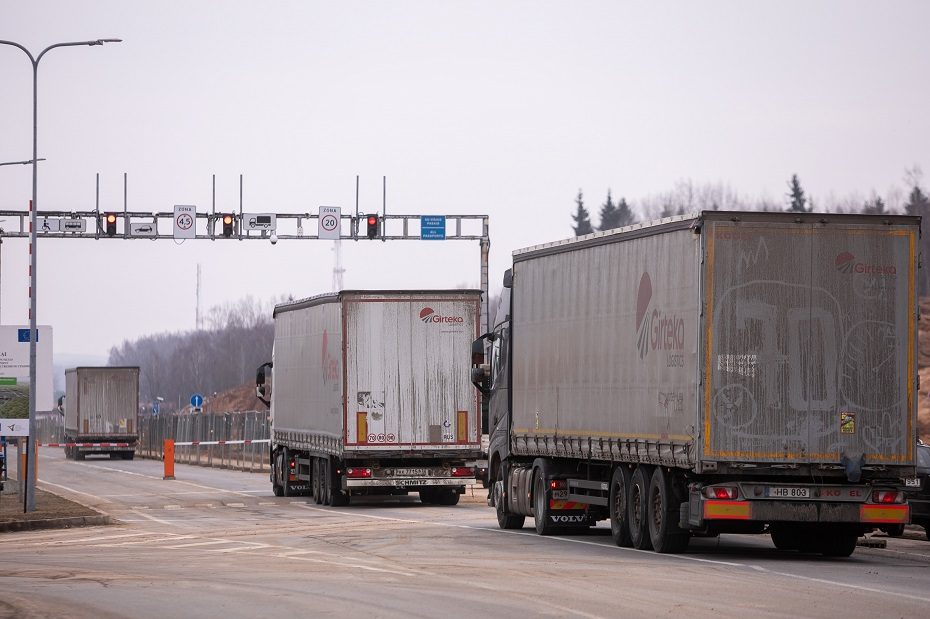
(110, 221)
(228, 225)
(373, 226)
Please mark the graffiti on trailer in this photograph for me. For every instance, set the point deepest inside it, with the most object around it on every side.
(791, 354)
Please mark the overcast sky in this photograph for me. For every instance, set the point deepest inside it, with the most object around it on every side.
(499, 108)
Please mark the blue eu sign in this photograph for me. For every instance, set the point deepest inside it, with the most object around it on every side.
(22, 335)
(433, 227)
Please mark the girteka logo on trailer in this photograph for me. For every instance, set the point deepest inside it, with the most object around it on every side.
(428, 315)
(656, 330)
(846, 263)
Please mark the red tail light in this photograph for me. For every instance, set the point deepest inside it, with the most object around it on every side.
(723, 493)
(293, 464)
(358, 473)
(885, 496)
(557, 484)
(463, 471)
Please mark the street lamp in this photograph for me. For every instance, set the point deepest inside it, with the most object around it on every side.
(29, 500)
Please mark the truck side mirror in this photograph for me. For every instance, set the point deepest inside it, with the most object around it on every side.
(61, 405)
(508, 278)
(260, 383)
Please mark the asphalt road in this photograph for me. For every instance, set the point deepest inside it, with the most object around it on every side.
(216, 543)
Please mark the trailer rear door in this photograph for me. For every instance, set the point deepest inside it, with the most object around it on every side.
(810, 349)
(407, 372)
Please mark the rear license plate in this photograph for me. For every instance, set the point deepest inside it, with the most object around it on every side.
(787, 492)
(912, 482)
(410, 472)
(560, 495)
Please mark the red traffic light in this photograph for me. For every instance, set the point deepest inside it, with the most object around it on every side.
(372, 226)
(110, 220)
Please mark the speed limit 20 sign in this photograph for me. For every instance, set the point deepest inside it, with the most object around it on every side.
(329, 222)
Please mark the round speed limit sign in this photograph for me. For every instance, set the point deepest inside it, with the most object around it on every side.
(329, 222)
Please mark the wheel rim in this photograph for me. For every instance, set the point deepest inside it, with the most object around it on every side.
(619, 502)
(657, 509)
(636, 501)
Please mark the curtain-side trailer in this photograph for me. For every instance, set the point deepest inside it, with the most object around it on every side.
(371, 395)
(101, 408)
(721, 372)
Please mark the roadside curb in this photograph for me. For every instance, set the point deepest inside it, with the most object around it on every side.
(56, 523)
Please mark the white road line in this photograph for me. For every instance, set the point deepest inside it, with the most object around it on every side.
(842, 584)
(247, 493)
(94, 496)
(618, 548)
(208, 543)
(251, 546)
(92, 539)
(154, 519)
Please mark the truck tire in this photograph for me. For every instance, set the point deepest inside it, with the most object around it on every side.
(337, 498)
(505, 520)
(427, 496)
(315, 482)
(283, 472)
(447, 496)
(619, 492)
(541, 519)
(837, 542)
(785, 537)
(662, 512)
(325, 486)
(636, 507)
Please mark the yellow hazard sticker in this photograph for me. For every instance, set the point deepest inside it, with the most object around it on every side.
(847, 422)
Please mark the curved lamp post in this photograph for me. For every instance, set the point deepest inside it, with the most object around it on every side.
(29, 500)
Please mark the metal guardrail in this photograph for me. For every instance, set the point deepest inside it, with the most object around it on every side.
(221, 440)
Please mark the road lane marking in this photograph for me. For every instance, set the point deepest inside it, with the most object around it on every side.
(207, 543)
(247, 493)
(619, 548)
(92, 539)
(94, 496)
(154, 519)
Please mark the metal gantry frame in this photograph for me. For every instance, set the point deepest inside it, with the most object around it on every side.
(289, 226)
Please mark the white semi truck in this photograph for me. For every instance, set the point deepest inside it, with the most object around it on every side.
(101, 408)
(722, 372)
(371, 395)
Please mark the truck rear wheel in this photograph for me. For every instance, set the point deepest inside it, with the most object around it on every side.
(662, 511)
(315, 482)
(636, 507)
(619, 521)
(337, 498)
(541, 503)
(505, 520)
(837, 542)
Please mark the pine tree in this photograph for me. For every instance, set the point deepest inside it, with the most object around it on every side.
(917, 203)
(582, 219)
(796, 195)
(625, 214)
(610, 216)
(875, 206)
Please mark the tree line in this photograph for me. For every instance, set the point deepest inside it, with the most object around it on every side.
(688, 197)
(238, 338)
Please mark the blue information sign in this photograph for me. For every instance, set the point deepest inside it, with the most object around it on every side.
(196, 400)
(433, 227)
(155, 408)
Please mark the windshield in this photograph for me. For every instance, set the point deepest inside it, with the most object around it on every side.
(923, 456)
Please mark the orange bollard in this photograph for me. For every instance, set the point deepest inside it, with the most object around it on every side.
(169, 458)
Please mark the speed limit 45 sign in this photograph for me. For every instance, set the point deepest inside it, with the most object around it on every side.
(329, 222)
